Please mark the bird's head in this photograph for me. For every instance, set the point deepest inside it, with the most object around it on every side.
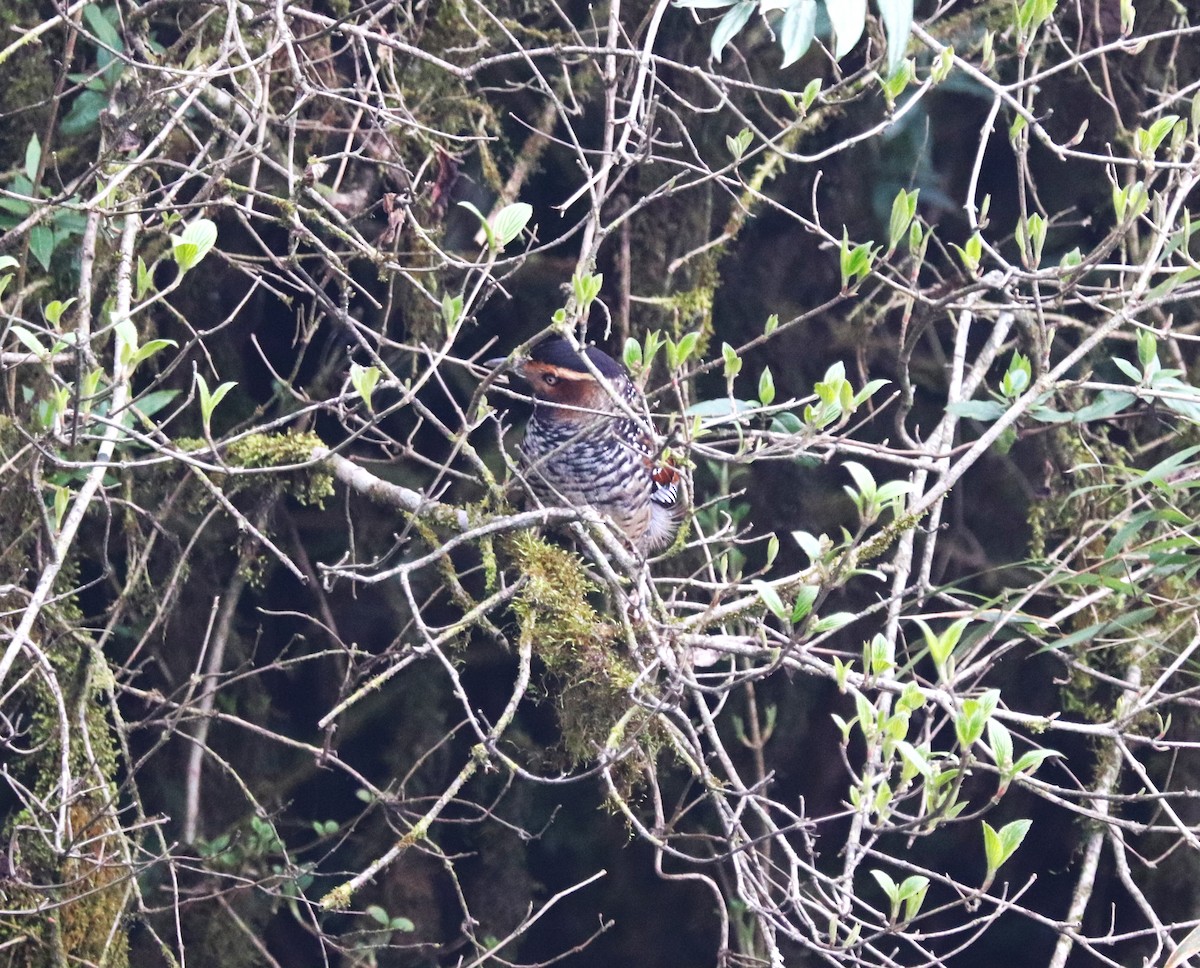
(557, 375)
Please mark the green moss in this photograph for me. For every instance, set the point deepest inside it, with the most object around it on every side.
(491, 568)
(25, 81)
(1094, 497)
(88, 881)
(585, 672)
(553, 606)
(291, 453)
(310, 485)
(20, 510)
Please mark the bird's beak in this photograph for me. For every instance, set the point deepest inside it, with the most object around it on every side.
(504, 366)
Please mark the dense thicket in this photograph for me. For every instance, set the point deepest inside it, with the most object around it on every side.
(291, 671)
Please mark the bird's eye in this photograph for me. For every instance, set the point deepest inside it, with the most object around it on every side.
(549, 379)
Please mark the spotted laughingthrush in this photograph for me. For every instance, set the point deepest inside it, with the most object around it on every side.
(583, 447)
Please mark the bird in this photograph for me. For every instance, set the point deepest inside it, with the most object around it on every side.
(583, 447)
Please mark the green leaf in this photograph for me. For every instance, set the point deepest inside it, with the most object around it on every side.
(738, 143)
(890, 492)
(1147, 348)
(1124, 621)
(686, 347)
(878, 660)
(1190, 945)
(723, 407)
(54, 308)
(364, 380)
(85, 113)
(772, 550)
(733, 362)
(1131, 201)
(452, 309)
(1032, 759)
(105, 32)
(1127, 368)
(1147, 140)
(33, 157)
(897, 17)
(1185, 408)
(91, 383)
(145, 280)
(209, 401)
(41, 245)
(841, 670)
(1120, 199)
(62, 499)
(586, 287)
(1031, 238)
(880, 803)
(811, 91)
(855, 261)
(673, 358)
(147, 405)
(28, 340)
(1000, 845)
(888, 885)
(489, 235)
(1000, 744)
(915, 759)
(809, 544)
(632, 354)
(126, 339)
(729, 26)
(916, 235)
(1177, 277)
(1159, 472)
(913, 891)
(898, 80)
(147, 351)
(1071, 259)
(971, 253)
(971, 720)
(804, 602)
(797, 28)
(866, 712)
(510, 222)
(1048, 415)
(788, 423)
(191, 246)
(848, 19)
(863, 479)
(904, 207)
(771, 599)
(865, 394)
(941, 647)
(943, 65)
(1032, 14)
(911, 699)
(834, 621)
(766, 387)
(1018, 376)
